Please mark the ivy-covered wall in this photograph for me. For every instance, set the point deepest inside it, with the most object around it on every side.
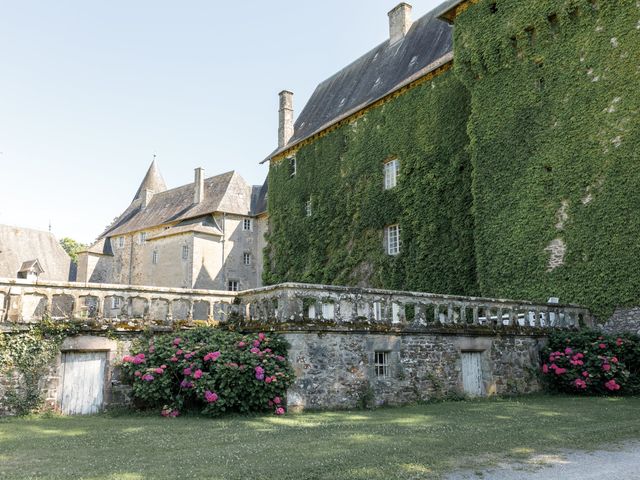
(555, 145)
(342, 242)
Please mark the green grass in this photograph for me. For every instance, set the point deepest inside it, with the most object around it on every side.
(411, 442)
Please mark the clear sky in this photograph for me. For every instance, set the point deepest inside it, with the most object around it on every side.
(90, 90)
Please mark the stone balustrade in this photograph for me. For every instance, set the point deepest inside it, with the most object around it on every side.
(350, 307)
(23, 301)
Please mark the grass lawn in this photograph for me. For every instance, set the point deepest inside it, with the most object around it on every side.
(411, 442)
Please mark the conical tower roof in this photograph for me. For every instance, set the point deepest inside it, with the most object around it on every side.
(152, 181)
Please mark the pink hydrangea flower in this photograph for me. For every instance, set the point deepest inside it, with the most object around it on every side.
(568, 351)
(127, 359)
(256, 343)
(159, 371)
(173, 359)
(277, 400)
(585, 374)
(187, 371)
(545, 368)
(255, 350)
(147, 377)
(259, 373)
(138, 359)
(188, 356)
(614, 359)
(606, 367)
(612, 385)
(280, 358)
(560, 370)
(241, 344)
(137, 373)
(163, 366)
(197, 374)
(579, 383)
(210, 397)
(211, 356)
(179, 352)
(602, 345)
(261, 336)
(152, 349)
(618, 341)
(267, 380)
(279, 411)
(177, 341)
(186, 384)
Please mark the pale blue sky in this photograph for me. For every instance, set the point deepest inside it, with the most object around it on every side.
(90, 90)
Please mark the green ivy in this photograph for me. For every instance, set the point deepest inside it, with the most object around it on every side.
(555, 121)
(342, 242)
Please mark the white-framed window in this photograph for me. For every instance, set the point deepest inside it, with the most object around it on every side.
(233, 285)
(154, 257)
(307, 208)
(391, 169)
(293, 166)
(143, 237)
(185, 252)
(381, 364)
(393, 239)
(246, 258)
(247, 225)
(115, 302)
(121, 242)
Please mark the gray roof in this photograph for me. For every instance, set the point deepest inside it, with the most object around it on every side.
(374, 75)
(259, 198)
(29, 265)
(227, 192)
(21, 245)
(152, 181)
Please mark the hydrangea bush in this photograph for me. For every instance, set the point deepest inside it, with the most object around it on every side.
(211, 371)
(592, 363)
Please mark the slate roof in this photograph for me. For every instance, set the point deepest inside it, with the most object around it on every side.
(29, 264)
(376, 74)
(227, 192)
(259, 198)
(204, 225)
(152, 181)
(21, 245)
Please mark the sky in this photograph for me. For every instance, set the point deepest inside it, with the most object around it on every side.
(91, 90)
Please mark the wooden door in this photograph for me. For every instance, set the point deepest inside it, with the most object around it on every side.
(472, 373)
(82, 382)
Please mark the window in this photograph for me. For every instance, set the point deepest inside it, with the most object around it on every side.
(121, 242)
(391, 169)
(232, 285)
(246, 258)
(247, 225)
(185, 252)
(115, 302)
(154, 257)
(293, 167)
(143, 237)
(381, 364)
(393, 239)
(307, 208)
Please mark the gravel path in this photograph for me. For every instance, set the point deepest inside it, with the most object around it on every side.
(621, 462)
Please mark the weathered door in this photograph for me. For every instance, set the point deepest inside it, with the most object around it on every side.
(82, 382)
(472, 373)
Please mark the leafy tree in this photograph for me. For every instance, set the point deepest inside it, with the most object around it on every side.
(72, 247)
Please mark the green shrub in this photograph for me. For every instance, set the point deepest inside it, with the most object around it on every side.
(210, 371)
(592, 363)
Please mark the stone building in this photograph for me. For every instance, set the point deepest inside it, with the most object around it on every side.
(208, 234)
(488, 148)
(32, 255)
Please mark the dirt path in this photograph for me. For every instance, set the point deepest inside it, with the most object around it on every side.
(616, 462)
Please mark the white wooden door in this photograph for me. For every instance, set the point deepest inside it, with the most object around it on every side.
(472, 373)
(82, 382)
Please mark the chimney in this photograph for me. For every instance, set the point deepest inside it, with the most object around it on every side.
(399, 22)
(198, 191)
(146, 197)
(285, 123)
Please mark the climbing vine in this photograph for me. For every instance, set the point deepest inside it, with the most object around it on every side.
(554, 141)
(25, 358)
(341, 174)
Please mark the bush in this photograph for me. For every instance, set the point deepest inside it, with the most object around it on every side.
(210, 371)
(592, 363)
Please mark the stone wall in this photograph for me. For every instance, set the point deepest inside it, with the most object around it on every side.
(623, 320)
(336, 370)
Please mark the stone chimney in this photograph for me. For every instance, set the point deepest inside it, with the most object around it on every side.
(285, 123)
(399, 22)
(146, 195)
(198, 190)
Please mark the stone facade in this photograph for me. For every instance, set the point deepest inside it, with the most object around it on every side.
(337, 370)
(202, 235)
